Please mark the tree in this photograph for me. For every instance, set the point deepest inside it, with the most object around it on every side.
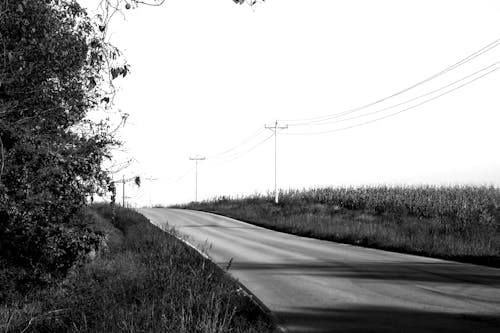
(53, 63)
(56, 65)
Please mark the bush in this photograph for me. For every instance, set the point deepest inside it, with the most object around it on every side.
(51, 62)
(151, 282)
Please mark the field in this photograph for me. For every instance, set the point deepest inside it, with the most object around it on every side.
(145, 280)
(459, 223)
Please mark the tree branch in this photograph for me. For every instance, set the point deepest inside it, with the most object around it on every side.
(159, 3)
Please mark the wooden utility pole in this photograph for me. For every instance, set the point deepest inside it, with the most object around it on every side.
(275, 129)
(123, 191)
(137, 180)
(196, 159)
(151, 179)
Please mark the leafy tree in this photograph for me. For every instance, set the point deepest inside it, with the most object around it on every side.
(53, 66)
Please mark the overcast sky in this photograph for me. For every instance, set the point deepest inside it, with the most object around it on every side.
(208, 74)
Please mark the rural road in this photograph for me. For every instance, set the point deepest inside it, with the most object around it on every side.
(317, 286)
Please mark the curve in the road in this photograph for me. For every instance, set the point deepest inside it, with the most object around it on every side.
(320, 286)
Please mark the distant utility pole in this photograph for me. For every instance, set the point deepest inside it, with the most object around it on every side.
(196, 159)
(123, 181)
(275, 129)
(151, 179)
(137, 181)
(123, 191)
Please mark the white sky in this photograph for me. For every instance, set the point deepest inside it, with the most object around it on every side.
(207, 74)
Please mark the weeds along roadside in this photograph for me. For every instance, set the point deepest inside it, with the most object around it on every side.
(146, 280)
(458, 223)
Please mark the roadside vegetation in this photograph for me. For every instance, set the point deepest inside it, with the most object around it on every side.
(459, 223)
(64, 267)
(143, 280)
(58, 129)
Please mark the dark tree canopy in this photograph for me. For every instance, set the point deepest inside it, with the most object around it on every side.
(56, 66)
(53, 63)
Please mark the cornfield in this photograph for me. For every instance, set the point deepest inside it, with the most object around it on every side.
(460, 205)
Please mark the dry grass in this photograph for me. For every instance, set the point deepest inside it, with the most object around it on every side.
(146, 281)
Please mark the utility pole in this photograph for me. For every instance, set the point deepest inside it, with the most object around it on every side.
(151, 179)
(137, 180)
(123, 191)
(196, 159)
(275, 129)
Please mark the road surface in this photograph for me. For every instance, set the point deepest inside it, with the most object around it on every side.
(315, 286)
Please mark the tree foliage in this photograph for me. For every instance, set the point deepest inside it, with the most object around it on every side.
(56, 65)
(53, 63)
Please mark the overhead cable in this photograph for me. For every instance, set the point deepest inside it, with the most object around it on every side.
(398, 112)
(175, 180)
(487, 48)
(241, 154)
(245, 141)
(402, 103)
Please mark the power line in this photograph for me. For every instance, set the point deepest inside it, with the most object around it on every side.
(245, 141)
(329, 119)
(396, 113)
(276, 127)
(245, 152)
(474, 55)
(402, 103)
(175, 180)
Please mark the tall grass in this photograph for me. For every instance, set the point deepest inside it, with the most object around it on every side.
(146, 281)
(459, 222)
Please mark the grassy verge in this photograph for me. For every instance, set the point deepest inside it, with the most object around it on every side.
(457, 223)
(145, 281)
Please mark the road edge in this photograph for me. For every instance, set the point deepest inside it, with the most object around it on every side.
(279, 326)
(417, 255)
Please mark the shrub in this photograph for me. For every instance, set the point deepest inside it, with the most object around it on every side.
(52, 62)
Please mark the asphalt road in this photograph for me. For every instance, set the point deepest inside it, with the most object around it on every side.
(318, 286)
